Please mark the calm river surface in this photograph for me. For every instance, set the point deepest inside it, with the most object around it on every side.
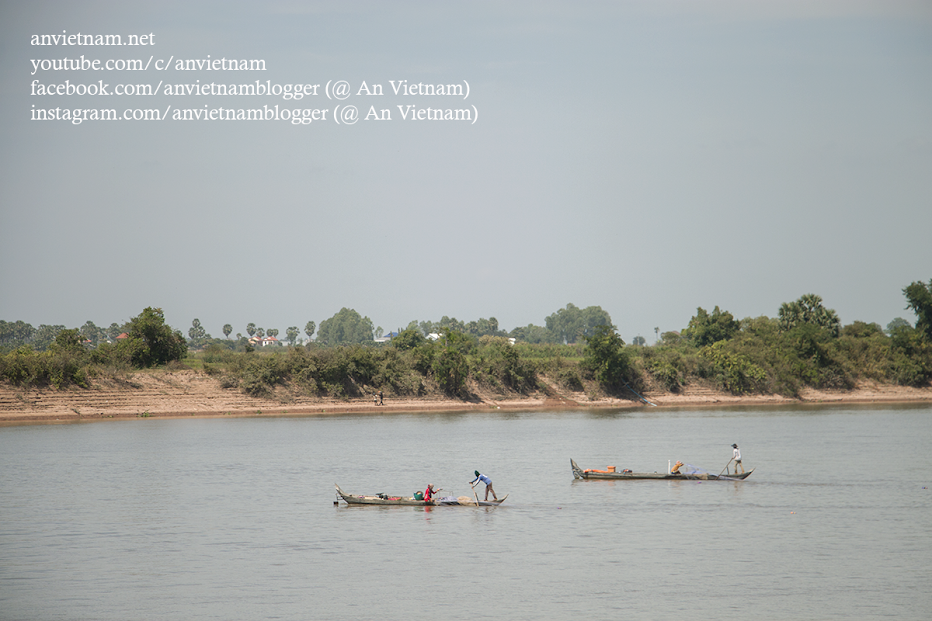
(234, 518)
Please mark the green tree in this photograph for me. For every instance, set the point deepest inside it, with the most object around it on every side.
(197, 333)
(345, 327)
(483, 327)
(408, 339)
(15, 333)
(861, 330)
(227, 330)
(606, 358)
(92, 333)
(705, 329)
(114, 331)
(70, 340)
(737, 374)
(572, 323)
(533, 334)
(912, 356)
(291, 334)
(498, 364)
(309, 328)
(899, 322)
(273, 332)
(260, 332)
(450, 366)
(45, 336)
(251, 329)
(450, 323)
(639, 340)
(808, 309)
(151, 342)
(919, 300)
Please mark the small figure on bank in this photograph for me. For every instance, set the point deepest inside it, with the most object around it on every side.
(381, 402)
(676, 468)
(488, 484)
(429, 493)
(737, 458)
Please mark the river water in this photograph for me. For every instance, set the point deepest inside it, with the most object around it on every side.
(234, 518)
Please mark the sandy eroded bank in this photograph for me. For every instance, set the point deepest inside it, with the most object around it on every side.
(187, 393)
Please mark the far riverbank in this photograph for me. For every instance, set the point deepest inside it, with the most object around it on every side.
(191, 394)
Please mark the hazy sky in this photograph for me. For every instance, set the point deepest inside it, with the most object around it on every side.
(647, 157)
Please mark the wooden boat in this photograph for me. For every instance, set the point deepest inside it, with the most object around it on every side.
(446, 501)
(579, 473)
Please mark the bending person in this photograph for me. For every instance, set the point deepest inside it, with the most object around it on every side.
(488, 484)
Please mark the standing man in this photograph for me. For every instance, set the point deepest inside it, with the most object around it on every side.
(488, 484)
(737, 458)
(381, 402)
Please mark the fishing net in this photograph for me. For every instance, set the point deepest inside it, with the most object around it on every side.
(694, 471)
(690, 469)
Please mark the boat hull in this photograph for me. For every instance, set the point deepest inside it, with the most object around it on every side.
(579, 473)
(410, 501)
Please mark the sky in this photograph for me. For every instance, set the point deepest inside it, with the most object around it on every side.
(646, 157)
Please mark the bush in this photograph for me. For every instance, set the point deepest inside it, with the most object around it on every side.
(566, 374)
(151, 342)
(450, 370)
(498, 365)
(911, 357)
(607, 359)
(736, 373)
(59, 367)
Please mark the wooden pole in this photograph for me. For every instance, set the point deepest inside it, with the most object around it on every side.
(726, 466)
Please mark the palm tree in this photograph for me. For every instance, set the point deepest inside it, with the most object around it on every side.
(808, 309)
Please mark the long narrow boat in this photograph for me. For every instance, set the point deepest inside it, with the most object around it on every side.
(446, 501)
(579, 473)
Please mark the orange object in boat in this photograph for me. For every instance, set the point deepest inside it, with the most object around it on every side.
(609, 471)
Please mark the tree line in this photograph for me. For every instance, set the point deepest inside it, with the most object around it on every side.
(568, 325)
(577, 348)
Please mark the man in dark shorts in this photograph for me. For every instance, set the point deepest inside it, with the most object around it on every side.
(737, 458)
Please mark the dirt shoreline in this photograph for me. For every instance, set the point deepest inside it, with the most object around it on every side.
(186, 394)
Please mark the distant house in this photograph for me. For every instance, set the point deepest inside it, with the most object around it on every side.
(385, 338)
(123, 336)
(270, 340)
